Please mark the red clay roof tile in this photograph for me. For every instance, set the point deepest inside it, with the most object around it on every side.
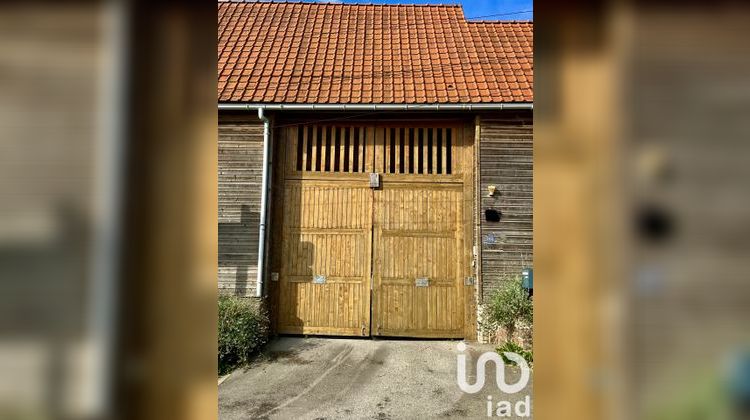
(278, 52)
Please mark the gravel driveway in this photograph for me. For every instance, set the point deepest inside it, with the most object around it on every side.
(331, 378)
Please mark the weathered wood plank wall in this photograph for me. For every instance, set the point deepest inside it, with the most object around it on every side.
(240, 170)
(505, 161)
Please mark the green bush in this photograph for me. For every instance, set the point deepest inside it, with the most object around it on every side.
(509, 306)
(243, 331)
(512, 347)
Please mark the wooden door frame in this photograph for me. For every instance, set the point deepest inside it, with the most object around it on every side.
(283, 137)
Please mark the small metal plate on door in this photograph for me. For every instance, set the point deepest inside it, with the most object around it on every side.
(274, 276)
(319, 279)
(468, 281)
(374, 180)
(422, 282)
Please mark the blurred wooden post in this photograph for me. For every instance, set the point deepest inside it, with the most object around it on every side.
(167, 351)
(578, 205)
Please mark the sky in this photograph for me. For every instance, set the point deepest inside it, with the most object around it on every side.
(476, 8)
(499, 9)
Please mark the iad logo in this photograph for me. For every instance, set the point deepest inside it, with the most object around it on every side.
(499, 371)
(504, 408)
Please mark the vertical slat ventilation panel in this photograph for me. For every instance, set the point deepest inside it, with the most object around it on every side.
(417, 150)
(330, 149)
(405, 150)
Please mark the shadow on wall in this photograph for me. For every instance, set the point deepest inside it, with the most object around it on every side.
(238, 248)
(303, 255)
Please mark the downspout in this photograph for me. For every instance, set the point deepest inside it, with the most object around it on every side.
(99, 372)
(265, 183)
(478, 284)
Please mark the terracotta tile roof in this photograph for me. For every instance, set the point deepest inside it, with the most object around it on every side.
(279, 52)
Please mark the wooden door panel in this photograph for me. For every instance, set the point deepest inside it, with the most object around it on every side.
(409, 311)
(418, 234)
(327, 233)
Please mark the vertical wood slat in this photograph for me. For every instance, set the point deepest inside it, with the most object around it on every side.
(324, 149)
(458, 162)
(350, 162)
(304, 146)
(340, 153)
(334, 152)
(338, 138)
(415, 150)
(314, 149)
(398, 151)
(291, 157)
(334, 149)
(407, 146)
(434, 151)
(342, 149)
(445, 151)
(360, 148)
(387, 161)
(357, 148)
(369, 151)
(378, 142)
(460, 148)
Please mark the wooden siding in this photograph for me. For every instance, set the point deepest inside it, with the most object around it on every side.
(505, 161)
(240, 170)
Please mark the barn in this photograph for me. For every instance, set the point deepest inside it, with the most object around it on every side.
(375, 164)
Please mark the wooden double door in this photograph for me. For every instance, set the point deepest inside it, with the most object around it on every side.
(362, 260)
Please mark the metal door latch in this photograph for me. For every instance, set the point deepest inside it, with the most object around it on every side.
(469, 281)
(374, 180)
